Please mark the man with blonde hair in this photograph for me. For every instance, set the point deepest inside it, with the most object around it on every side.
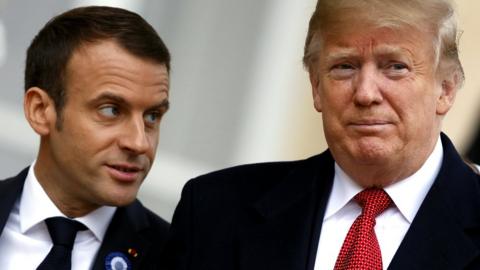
(390, 192)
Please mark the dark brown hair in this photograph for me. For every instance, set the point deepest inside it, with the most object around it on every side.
(53, 46)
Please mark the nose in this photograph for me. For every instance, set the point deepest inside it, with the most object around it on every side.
(367, 90)
(134, 138)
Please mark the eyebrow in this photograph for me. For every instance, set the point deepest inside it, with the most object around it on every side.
(164, 104)
(110, 96)
(389, 50)
(341, 54)
(383, 50)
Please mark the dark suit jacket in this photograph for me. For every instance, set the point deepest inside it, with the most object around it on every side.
(133, 226)
(269, 216)
(473, 152)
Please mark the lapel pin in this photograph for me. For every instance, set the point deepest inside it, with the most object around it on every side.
(117, 261)
(133, 252)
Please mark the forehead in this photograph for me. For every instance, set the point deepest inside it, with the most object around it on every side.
(105, 50)
(97, 68)
(374, 40)
(106, 58)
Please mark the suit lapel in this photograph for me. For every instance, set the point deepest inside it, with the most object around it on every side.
(283, 229)
(438, 237)
(123, 236)
(10, 190)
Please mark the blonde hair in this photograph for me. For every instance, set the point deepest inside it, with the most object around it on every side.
(437, 17)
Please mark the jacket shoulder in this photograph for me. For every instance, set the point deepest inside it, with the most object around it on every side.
(19, 177)
(266, 170)
(159, 224)
(245, 183)
(148, 223)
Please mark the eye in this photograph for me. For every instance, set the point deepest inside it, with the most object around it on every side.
(396, 70)
(152, 117)
(342, 71)
(343, 66)
(109, 111)
(398, 66)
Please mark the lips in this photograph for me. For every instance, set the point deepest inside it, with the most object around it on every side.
(126, 169)
(370, 122)
(124, 172)
(370, 126)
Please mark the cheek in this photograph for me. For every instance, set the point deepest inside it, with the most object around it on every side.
(94, 143)
(334, 95)
(415, 109)
(337, 103)
(336, 107)
(335, 131)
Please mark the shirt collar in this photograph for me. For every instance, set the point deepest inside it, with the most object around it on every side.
(34, 198)
(407, 194)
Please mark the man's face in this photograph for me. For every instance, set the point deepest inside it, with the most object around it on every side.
(380, 99)
(110, 126)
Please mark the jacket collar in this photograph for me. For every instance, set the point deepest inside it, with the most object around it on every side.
(287, 222)
(439, 237)
(10, 190)
(123, 237)
(300, 182)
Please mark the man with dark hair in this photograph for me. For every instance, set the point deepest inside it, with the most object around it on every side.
(96, 87)
(390, 192)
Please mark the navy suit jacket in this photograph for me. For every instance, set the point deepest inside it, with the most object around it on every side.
(132, 227)
(269, 216)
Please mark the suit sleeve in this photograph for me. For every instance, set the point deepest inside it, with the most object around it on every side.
(177, 254)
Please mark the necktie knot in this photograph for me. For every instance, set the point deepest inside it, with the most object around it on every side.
(63, 230)
(373, 201)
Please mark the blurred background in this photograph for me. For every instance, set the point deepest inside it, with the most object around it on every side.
(239, 93)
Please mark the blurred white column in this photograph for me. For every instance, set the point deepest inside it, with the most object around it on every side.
(277, 64)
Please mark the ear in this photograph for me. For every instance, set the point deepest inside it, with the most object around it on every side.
(314, 81)
(450, 85)
(39, 111)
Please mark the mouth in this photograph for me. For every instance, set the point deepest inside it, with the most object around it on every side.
(370, 125)
(124, 172)
(370, 122)
(127, 169)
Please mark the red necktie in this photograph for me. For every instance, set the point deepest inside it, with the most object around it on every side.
(360, 250)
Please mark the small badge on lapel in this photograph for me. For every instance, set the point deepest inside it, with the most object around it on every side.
(133, 252)
(117, 261)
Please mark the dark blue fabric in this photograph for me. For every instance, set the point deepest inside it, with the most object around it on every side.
(473, 152)
(63, 232)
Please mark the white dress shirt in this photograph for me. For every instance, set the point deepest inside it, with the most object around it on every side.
(25, 240)
(391, 225)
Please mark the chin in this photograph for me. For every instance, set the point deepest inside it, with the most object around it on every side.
(372, 154)
(121, 199)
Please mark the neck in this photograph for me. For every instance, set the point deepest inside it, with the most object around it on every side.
(385, 172)
(56, 185)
